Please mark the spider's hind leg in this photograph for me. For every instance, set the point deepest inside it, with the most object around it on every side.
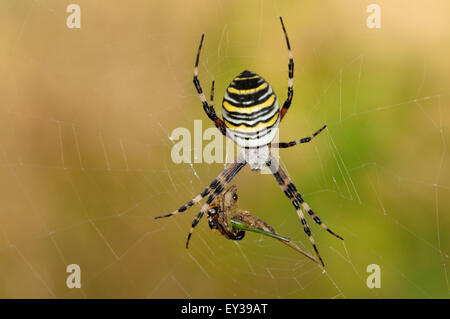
(287, 102)
(209, 109)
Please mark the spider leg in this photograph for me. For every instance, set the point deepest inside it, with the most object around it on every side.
(288, 101)
(209, 110)
(293, 194)
(293, 190)
(237, 166)
(300, 141)
(211, 101)
(219, 180)
(287, 187)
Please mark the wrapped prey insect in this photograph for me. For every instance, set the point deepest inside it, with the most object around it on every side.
(226, 218)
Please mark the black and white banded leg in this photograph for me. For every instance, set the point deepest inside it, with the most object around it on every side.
(209, 109)
(295, 197)
(290, 94)
(211, 100)
(300, 141)
(222, 178)
(236, 167)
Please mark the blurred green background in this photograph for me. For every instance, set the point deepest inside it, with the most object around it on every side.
(85, 116)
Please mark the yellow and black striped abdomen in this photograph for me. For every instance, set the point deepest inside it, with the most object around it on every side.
(250, 110)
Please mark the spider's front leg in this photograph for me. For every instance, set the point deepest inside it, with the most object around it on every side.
(219, 180)
(291, 192)
(300, 141)
(235, 168)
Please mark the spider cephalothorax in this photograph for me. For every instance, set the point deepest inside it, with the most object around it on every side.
(251, 116)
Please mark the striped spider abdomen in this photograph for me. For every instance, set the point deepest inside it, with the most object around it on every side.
(250, 110)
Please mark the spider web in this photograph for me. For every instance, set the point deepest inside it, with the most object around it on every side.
(85, 147)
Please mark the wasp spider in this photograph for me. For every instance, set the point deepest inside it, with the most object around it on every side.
(251, 115)
(226, 218)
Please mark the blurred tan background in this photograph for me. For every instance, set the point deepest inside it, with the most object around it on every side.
(85, 165)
